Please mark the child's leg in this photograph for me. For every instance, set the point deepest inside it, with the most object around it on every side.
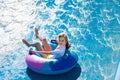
(33, 44)
(47, 46)
(25, 42)
(37, 35)
(36, 32)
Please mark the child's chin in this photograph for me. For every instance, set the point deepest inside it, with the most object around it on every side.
(60, 43)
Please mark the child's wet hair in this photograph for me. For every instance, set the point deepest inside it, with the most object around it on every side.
(66, 38)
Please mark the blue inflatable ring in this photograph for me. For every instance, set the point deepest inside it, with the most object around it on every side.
(51, 66)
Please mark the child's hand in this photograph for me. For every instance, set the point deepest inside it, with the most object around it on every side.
(32, 51)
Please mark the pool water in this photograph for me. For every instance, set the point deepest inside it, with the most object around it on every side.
(93, 28)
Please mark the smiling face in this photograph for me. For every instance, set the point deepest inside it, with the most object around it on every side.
(62, 39)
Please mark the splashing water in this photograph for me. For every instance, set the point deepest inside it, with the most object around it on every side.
(93, 28)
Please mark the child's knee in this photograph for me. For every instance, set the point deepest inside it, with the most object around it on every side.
(44, 40)
(37, 43)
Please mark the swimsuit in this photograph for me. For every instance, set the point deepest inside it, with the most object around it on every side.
(58, 52)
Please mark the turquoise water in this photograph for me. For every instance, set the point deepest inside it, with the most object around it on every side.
(93, 28)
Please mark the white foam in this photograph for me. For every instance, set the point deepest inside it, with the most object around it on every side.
(45, 10)
(14, 18)
(57, 2)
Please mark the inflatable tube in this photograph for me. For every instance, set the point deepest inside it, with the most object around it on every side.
(51, 66)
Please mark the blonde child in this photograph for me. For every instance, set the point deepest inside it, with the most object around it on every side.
(47, 51)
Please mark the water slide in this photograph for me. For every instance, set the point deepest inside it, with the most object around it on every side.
(117, 77)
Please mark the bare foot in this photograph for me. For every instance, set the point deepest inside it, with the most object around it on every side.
(36, 32)
(25, 42)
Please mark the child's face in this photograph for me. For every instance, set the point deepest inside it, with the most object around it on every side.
(62, 41)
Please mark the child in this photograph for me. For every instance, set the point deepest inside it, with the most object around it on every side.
(47, 51)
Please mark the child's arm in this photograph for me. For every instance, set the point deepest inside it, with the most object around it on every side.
(43, 52)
